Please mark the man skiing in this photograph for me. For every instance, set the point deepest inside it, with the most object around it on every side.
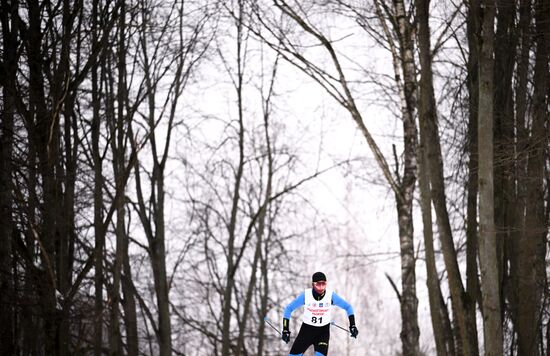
(315, 329)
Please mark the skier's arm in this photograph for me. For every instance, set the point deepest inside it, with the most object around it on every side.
(339, 301)
(296, 303)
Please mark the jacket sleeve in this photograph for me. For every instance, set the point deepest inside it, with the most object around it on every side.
(296, 303)
(340, 302)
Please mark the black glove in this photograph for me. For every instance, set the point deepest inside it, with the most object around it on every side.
(353, 331)
(285, 335)
(352, 328)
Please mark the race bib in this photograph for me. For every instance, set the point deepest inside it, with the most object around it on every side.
(317, 312)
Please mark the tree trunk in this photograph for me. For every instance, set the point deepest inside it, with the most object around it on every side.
(261, 221)
(7, 296)
(264, 292)
(66, 182)
(158, 260)
(435, 167)
(427, 117)
(524, 39)
(118, 132)
(472, 279)
(47, 131)
(31, 317)
(409, 303)
(99, 241)
(532, 244)
(231, 268)
(504, 138)
(490, 286)
(129, 305)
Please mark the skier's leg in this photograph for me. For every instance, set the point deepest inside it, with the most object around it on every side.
(321, 343)
(302, 341)
(321, 349)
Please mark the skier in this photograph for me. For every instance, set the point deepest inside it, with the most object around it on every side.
(315, 329)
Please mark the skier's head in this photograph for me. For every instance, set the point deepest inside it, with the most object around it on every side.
(319, 282)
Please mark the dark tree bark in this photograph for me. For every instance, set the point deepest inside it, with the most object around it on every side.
(47, 142)
(435, 164)
(504, 138)
(472, 279)
(9, 61)
(430, 161)
(521, 94)
(490, 286)
(118, 129)
(99, 240)
(532, 243)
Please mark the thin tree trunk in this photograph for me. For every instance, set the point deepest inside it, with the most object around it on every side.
(119, 163)
(504, 138)
(490, 286)
(524, 36)
(31, 318)
(98, 194)
(254, 267)
(47, 128)
(435, 164)
(472, 279)
(409, 303)
(427, 116)
(261, 221)
(67, 179)
(231, 268)
(264, 292)
(443, 346)
(532, 245)
(7, 296)
(129, 305)
(158, 257)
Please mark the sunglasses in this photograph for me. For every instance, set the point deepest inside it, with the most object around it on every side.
(320, 283)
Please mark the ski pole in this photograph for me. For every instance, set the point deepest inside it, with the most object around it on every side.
(339, 327)
(266, 319)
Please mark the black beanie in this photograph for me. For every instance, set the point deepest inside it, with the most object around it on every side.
(318, 276)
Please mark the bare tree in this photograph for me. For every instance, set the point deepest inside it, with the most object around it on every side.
(472, 279)
(168, 55)
(490, 286)
(8, 110)
(431, 170)
(532, 246)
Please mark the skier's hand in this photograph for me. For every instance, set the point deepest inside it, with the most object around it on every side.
(285, 336)
(353, 331)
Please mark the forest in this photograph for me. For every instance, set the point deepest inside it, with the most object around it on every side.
(173, 172)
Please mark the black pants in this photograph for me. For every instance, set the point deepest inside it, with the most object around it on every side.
(318, 336)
